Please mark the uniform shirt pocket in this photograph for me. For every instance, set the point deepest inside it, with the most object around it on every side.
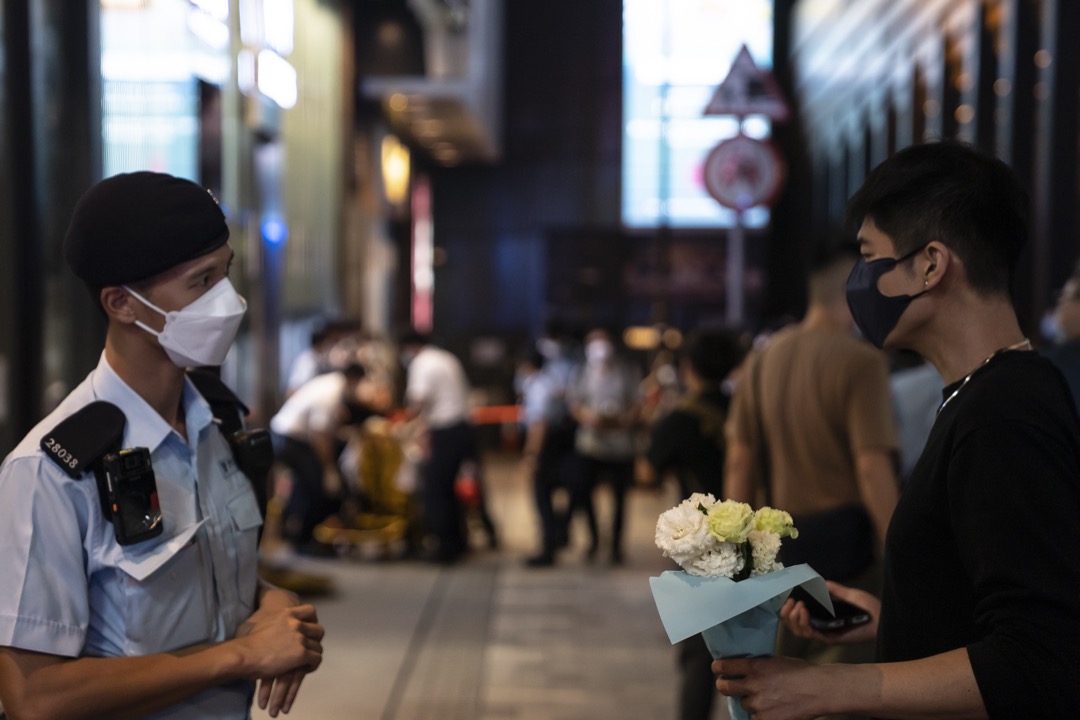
(245, 521)
(168, 593)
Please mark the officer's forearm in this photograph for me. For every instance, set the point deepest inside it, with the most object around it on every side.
(36, 685)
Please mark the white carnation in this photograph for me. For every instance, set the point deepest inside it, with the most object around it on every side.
(683, 533)
(764, 546)
(705, 500)
(724, 560)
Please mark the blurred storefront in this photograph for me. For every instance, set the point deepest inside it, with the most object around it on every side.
(250, 98)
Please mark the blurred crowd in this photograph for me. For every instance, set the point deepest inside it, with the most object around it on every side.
(378, 448)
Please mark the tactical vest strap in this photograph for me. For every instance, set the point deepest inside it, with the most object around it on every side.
(251, 448)
(229, 410)
(84, 437)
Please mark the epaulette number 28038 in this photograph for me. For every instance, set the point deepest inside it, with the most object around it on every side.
(61, 454)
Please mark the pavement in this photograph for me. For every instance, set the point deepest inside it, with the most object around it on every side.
(491, 639)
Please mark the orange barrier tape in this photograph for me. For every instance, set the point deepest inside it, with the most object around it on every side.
(483, 415)
(496, 414)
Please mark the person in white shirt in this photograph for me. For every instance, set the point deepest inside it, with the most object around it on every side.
(437, 394)
(305, 435)
(605, 400)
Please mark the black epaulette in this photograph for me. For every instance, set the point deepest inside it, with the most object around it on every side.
(84, 437)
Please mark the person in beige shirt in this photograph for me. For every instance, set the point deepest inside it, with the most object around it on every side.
(811, 431)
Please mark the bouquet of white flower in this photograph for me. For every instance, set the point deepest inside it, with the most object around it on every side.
(732, 586)
(723, 539)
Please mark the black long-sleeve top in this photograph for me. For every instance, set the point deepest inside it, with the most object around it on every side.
(983, 550)
(690, 441)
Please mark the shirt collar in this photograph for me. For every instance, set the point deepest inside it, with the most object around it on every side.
(145, 427)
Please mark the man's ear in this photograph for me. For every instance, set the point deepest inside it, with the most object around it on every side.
(939, 257)
(116, 301)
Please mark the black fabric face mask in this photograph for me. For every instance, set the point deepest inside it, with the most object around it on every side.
(875, 314)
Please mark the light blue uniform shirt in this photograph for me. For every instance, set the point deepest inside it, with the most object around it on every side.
(70, 589)
(538, 401)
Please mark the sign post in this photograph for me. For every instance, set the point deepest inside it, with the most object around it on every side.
(741, 172)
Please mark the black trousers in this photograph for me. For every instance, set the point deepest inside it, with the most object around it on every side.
(308, 503)
(554, 472)
(697, 684)
(592, 471)
(450, 447)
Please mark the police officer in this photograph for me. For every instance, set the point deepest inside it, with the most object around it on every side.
(129, 576)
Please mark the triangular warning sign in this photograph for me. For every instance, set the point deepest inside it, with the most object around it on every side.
(748, 90)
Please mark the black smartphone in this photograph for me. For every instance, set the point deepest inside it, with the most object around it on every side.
(132, 495)
(847, 615)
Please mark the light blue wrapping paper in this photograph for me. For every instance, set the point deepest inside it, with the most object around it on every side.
(735, 618)
(751, 633)
(689, 604)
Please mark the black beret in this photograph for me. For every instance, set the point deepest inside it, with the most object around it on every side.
(132, 226)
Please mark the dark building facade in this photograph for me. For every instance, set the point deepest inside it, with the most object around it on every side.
(874, 76)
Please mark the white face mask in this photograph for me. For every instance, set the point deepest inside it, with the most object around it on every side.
(201, 333)
(599, 351)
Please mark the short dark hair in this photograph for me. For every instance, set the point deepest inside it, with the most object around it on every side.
(950, 192)
(412, 337)
(830, 266)
(354, 371)
(714, 353)
(532, 357)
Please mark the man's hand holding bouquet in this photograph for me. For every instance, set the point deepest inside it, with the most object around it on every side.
(731, 586)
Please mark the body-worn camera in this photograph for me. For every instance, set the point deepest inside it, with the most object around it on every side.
(131, 494)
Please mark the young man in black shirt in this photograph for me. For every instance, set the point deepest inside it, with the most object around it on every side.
(979, 612)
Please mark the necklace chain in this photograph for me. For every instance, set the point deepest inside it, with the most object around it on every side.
(1024, 344)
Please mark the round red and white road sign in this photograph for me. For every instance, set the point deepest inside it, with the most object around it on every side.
(741, 173)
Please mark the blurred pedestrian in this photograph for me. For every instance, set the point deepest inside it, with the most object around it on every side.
(812, 429)
(547, 455)
(689, 442)
(437, 396)
(316, 358)
(307, 440)
(605, 400)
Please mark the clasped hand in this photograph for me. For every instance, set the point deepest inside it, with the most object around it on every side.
(282, 643)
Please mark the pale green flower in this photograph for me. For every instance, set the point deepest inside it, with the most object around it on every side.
(775, 521)
(731, 521)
